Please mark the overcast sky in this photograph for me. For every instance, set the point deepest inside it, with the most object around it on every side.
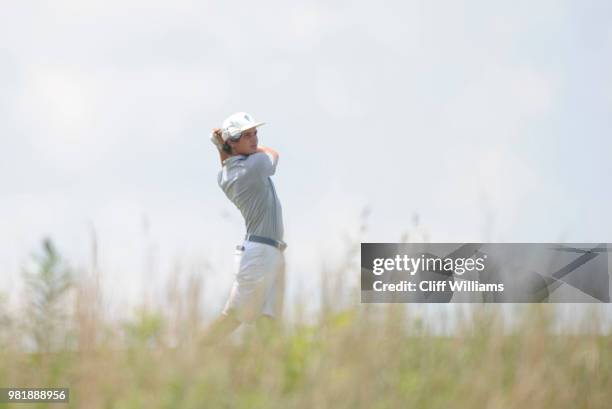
(489, 120)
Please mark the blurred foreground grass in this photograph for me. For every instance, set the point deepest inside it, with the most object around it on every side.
(364, 356)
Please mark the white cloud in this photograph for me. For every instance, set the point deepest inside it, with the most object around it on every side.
(57, 110)
(74, 120)
(335, 95)
(499, 102)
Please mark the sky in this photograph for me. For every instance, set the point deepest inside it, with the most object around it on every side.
(440, 120)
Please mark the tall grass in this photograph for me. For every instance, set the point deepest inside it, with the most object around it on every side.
(356, 356)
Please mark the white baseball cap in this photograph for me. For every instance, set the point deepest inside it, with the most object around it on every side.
(235, 124)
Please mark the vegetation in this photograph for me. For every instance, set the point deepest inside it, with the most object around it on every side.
(361, 356)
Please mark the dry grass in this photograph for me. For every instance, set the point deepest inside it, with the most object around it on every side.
(362, 356)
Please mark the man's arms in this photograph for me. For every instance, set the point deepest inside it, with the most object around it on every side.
(263, 164)
(270, 152)
(215, 138)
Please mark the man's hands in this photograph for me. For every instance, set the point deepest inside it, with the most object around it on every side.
(215, 138)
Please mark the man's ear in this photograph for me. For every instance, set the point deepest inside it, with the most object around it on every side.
(227, 148)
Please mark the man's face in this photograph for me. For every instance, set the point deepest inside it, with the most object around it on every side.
(247, 144)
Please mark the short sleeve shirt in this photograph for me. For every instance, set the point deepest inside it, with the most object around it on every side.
(247, 182)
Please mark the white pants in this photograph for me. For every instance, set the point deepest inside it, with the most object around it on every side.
(259, 282)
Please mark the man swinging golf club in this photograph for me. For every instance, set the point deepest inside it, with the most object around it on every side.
(258, 289)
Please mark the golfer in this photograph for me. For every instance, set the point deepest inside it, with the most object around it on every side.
(259, 282)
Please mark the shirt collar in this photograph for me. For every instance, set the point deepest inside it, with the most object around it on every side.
(232, 159)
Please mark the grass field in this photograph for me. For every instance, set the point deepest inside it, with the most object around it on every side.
(359, 356)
